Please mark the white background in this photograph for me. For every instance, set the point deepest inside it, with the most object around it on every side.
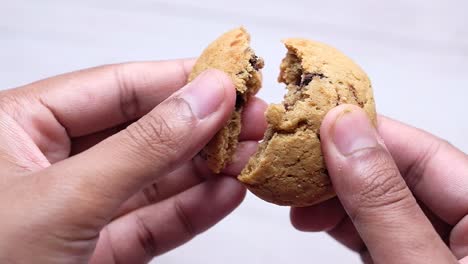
(416, 53)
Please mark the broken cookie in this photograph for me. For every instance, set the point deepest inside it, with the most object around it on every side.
(288, 168)
(230, 53)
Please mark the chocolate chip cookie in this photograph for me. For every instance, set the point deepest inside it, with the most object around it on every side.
(232, 54)
(288, 168)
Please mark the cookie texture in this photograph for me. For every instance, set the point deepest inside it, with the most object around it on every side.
(230, 53)
(288, 168)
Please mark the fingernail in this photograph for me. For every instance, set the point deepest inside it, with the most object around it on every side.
(353, 132)
(205, 94)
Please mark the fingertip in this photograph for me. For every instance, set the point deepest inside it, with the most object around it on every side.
(297, 221)
(332, 116)
(254, 122)
(228, 194)
(189, 63)
(245, 149)
(321, 217)
(233, 187)
(258, 103)
(186, 65)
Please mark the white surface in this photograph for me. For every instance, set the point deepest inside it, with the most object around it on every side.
(416, 53)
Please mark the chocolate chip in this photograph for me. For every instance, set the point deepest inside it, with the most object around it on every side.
(308, 77)
(354, 92)
(253, 62)
(302, 123)
(239, 100)
(299, 80)
(256, 62)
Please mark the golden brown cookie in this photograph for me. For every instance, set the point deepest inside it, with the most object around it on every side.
(288, 168)
(232, 54)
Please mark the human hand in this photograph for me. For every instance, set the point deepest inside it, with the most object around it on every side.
(402, 193)
(81, 180)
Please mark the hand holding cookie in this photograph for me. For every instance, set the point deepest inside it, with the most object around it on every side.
(288, 168)
(401, 191)
(98, 166)
(133, 163)
(322, 141)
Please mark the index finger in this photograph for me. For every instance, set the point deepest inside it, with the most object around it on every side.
(95, 99)
(435, 171)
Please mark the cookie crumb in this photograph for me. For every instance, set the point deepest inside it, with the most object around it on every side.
(256, 62)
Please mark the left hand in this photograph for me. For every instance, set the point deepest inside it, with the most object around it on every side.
(100, 165)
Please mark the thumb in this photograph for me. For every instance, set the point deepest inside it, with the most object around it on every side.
(101, 178)
(373, 193)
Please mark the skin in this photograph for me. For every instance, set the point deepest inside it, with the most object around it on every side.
(101, 165)
(402, 193)
(96, 166)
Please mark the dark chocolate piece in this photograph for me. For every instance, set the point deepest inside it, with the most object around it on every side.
(256, 62)
(308, 77)
(239, 100)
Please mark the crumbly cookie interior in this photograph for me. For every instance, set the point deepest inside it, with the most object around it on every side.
(232, 54)
(281, 169)
(252, 84)
(296, 80)
(289, 167)
(251, 77)
(227, 142)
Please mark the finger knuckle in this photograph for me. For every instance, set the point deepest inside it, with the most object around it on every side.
(151, 194)
(382, 184)
(129, 103)
(183, 219)
(145, 236)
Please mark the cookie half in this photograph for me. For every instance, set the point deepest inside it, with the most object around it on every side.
(230, 53)
(288, 168)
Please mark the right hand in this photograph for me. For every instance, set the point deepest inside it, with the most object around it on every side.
(402, 193)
